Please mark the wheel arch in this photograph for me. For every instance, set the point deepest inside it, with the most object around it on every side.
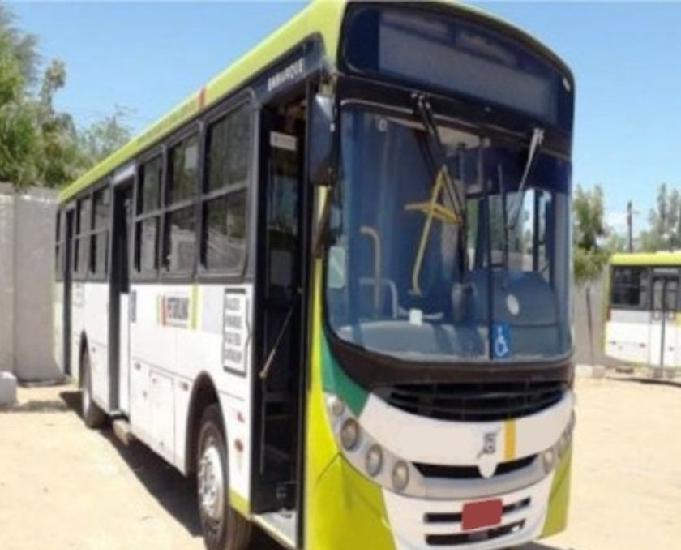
(204, 393)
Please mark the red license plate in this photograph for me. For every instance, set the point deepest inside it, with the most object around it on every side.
(486, 513)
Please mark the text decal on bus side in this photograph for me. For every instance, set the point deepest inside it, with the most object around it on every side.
(293, 71)
(235, 331)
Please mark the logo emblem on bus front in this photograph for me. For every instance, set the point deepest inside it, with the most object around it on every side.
(487, 464)
(489, 444)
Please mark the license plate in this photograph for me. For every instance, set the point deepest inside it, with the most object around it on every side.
(486, 513)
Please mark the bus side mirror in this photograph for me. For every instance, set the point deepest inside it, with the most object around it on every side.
(321, 149)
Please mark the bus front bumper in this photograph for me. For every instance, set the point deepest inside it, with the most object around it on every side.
(350, 511)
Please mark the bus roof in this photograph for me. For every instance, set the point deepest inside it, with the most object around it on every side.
(653, 258)
(320, 17)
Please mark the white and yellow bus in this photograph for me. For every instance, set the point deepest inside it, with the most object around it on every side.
(333, 284)
(643, 318)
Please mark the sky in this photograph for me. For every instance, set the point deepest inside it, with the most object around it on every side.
(626, 57)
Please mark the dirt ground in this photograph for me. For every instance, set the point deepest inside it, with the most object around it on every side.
(63, 487)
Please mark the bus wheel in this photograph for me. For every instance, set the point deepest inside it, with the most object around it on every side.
(223, 527)
(93, 416)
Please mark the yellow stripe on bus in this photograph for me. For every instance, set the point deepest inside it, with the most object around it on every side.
(509, 440)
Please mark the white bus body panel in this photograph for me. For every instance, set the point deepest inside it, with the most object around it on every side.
(635, 336)
(90, 319)
(177, 333)
(627, 335)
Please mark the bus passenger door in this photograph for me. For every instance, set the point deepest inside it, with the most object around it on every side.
(120, 303)
(278, 376)
(663, 338)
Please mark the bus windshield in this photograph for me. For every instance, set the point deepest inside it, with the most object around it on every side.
(411, 276)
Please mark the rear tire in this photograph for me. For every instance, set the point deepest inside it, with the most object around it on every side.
(93, 416)
(223, 527)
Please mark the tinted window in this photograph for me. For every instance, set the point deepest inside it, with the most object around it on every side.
(145, 249)
(184, 164)
(225, 231)
(228, 159)
(229, 145)
(100, 250)
(149, 197)
(629, 286)
(82, 239)
(181, 240)
(84, 215)
(101, 207)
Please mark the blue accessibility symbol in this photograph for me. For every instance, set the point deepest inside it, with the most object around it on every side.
(501, 340)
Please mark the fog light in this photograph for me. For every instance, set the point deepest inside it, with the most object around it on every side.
(400, 476)
(548, 459)
(349, 434)
(374, 460)
(337, 407)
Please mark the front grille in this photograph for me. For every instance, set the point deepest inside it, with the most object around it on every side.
(455, 517)
(470, 472)
(477, 536)
(477, 402)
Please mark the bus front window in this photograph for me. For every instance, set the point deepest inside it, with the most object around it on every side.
(414, 275)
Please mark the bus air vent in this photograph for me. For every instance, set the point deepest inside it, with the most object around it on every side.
(438, 471)
(475, 536)
(474, 402)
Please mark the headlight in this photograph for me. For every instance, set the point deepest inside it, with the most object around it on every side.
(367, 455)
(400, 476)
(551, 456)
(350, 434)
(337, 407)
(374, 460)
(548, 459)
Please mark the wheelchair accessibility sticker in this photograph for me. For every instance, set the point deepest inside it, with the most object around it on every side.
(501, 340)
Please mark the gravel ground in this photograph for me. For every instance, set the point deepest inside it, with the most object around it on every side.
(63, 487)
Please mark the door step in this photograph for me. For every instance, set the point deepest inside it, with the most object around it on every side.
(123, 431)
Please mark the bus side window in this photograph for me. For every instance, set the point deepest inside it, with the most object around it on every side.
(179, 239)
(99, 246)
(629, 286)
(81, 237)
(148, 215)
(224, 198)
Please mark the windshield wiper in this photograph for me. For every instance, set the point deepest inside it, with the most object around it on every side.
(535, 146)
(455, 195)
(442, 180)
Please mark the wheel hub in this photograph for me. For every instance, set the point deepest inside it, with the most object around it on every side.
(211, 482)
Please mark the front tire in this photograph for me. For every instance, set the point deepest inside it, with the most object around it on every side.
(223, 527)
(93, 416)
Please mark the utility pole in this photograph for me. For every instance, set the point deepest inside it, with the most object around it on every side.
(630, 227)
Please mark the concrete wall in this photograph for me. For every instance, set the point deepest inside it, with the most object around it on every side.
(27, 222)
(581, 325)
(6, 278)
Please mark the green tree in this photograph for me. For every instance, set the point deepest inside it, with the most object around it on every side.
(589, 257)
(104, 137)
(17, 130)
(38, 144)
(664, 221)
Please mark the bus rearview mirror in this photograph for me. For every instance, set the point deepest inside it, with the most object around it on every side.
(321, 149)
